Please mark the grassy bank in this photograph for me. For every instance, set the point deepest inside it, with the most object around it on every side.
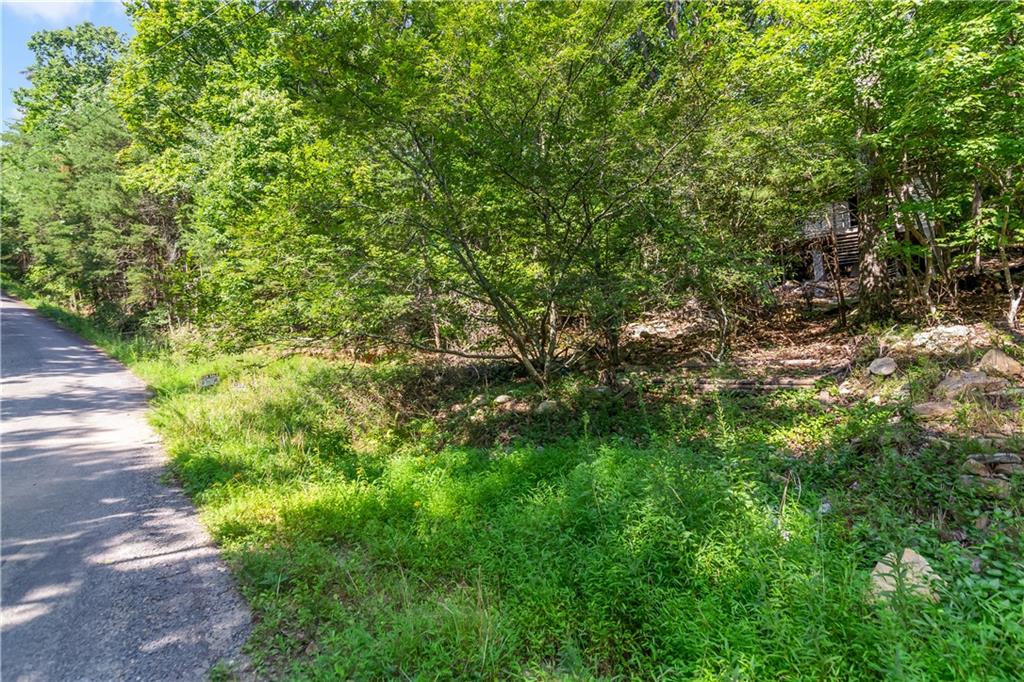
(383, 526)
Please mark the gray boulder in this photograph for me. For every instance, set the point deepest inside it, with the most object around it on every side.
(1008, 469)
(934, 409)
(882, 367)
(996, 361)
(944, 339)
(959, 382)
(989, 473)
(976, 468)
(546, 407)
(910, 573)
(992, 487)
(998, 458)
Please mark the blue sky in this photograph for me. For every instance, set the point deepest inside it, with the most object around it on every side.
(22, 18)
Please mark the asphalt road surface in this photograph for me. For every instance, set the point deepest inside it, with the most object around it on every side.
(106, 572)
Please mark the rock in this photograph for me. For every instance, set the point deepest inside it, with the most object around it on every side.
(934, 409)
(1008, 469)
(911, 573)
(973, 466)
(546, 407)
(876, 400)
(993, 487)
(825, 507)
(1001, 464)
(882, 367)
(478, 400)
(998, 458)
(209, 380)
(503, 399)
(996, 361)
(945, 339)
(825, 397)
(960, 382)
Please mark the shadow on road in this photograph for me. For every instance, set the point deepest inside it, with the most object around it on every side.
(106, 571)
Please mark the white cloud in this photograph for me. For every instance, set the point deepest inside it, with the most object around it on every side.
(51, 11)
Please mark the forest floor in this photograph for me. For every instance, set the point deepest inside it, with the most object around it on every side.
(409, 519)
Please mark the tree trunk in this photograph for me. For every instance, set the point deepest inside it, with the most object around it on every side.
(832, 264)
(1015, 293)
(975, 211)
(875, 296)
(1014, 311)
(611, 357)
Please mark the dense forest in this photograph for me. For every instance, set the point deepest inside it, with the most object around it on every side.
(511, 181)
(562, 340)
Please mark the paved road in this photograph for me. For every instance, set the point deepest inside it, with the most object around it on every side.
(106, 572)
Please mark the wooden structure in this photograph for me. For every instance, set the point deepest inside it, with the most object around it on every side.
(837, 224)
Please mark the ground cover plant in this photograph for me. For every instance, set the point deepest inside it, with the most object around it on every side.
(383, 526)
(684, 543)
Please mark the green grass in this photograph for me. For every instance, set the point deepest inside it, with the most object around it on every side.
(650, 537)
